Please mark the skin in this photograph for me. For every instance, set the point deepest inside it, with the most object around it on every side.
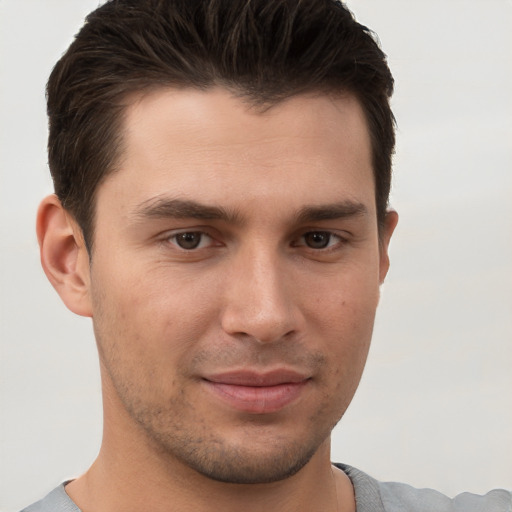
(284, 279)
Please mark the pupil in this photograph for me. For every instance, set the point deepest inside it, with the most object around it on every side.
(188, 240)
(317, 239)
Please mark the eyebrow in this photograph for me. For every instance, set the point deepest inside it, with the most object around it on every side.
(331, 211)
(164, 207)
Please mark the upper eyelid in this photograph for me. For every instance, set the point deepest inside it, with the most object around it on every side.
(170, 233)
(213, 233)
(343, 235)
(177, 233)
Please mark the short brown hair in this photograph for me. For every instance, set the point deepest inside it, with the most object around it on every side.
(263, 50)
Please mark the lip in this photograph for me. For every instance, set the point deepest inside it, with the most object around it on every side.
(255, 392)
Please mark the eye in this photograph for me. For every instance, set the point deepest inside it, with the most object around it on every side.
(319, 239)
(190, 240)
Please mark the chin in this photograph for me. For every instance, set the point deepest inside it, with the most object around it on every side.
(254, 455)
(237, 466)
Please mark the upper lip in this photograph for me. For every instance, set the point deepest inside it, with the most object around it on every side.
(257, 378)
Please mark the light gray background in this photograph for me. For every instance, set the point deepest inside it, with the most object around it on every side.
(434, 408)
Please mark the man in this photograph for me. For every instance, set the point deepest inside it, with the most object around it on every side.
(222, 172)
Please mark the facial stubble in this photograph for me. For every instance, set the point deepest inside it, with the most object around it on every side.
(179, 433)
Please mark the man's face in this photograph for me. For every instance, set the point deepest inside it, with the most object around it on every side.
(235, 277)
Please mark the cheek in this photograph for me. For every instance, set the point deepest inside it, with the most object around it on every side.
(147, 315)
(344, 303)
(344, 319)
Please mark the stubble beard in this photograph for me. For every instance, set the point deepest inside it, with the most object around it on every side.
(216, 458)
(178, 433)
(173, 428)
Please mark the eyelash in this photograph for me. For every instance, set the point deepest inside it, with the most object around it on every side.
(174, 239)
(333, 243)
(338, 240)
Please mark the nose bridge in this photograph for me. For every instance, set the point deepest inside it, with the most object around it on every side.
(258, 297)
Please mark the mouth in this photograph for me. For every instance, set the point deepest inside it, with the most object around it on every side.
(255, 392)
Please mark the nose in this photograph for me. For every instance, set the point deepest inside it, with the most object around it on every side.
(259, 302)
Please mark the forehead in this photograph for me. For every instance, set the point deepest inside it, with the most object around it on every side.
(216, 148)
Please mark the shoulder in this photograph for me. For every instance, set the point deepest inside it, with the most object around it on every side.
(401, 497)
(374, 496)
(56, 501)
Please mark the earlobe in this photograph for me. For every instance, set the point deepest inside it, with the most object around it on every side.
(390, 223)
(64, 256)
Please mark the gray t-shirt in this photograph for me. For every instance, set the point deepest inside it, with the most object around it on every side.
(371, 496)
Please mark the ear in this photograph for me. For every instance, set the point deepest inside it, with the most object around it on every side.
(64, 256)
(390, 222)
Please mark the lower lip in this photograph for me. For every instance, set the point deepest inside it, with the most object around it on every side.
(257, 399)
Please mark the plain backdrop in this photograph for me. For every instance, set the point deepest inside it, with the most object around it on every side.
(434, 408)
